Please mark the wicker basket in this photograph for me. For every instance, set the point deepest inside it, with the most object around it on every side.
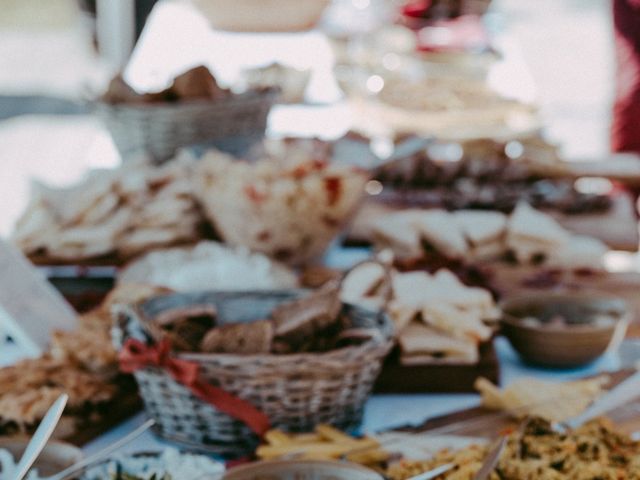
(159, 130)
(295, 391)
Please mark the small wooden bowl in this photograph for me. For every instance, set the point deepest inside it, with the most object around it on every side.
(575, 344)
(302, 470)
(55, 457)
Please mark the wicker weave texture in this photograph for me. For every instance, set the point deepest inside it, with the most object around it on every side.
(159, 130)
(295, 391)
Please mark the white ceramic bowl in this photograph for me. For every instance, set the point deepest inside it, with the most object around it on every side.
(262, 15)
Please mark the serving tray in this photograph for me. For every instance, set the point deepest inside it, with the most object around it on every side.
(398, 378)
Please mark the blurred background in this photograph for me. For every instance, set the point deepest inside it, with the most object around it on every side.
(56, 53)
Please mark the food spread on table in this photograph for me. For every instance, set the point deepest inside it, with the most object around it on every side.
(288, 204)
(246, 327)
(437, 318)
(81, 363)
(292, 203)
(120, 212)
(527, 236)
(536, 450)
(594, 450)
(486, 174)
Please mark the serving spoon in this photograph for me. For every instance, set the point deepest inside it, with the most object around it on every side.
(40, 437)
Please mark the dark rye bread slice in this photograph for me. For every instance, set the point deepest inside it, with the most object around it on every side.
(298, 322)
(184, 326)
(240, 338)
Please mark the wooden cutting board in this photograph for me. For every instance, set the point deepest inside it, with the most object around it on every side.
(481, 422)
(444, 378)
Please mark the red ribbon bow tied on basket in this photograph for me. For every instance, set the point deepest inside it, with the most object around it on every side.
(136, 355)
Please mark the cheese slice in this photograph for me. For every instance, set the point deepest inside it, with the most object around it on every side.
(579, 252)
(456, 322)
(481, 226)
(420, 344)
(401, 314)
(527, 223)
(412, 289)
(438, 228)
(491, 250)
(396, 232)
(446, 287)
(363, 283)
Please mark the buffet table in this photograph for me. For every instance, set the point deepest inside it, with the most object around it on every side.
(388, 411)
(177, 38)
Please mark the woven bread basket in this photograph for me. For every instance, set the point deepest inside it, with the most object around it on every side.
(295, 391)
(160, 129)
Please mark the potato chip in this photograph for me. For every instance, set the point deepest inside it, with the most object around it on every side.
(549, 400)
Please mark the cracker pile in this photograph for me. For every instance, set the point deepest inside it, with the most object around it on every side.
(527, 235)
(289, 205)
(438, 319)
(119, 212)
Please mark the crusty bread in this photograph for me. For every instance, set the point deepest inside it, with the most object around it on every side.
(240, 338)
(298, 321)
(421, 345)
